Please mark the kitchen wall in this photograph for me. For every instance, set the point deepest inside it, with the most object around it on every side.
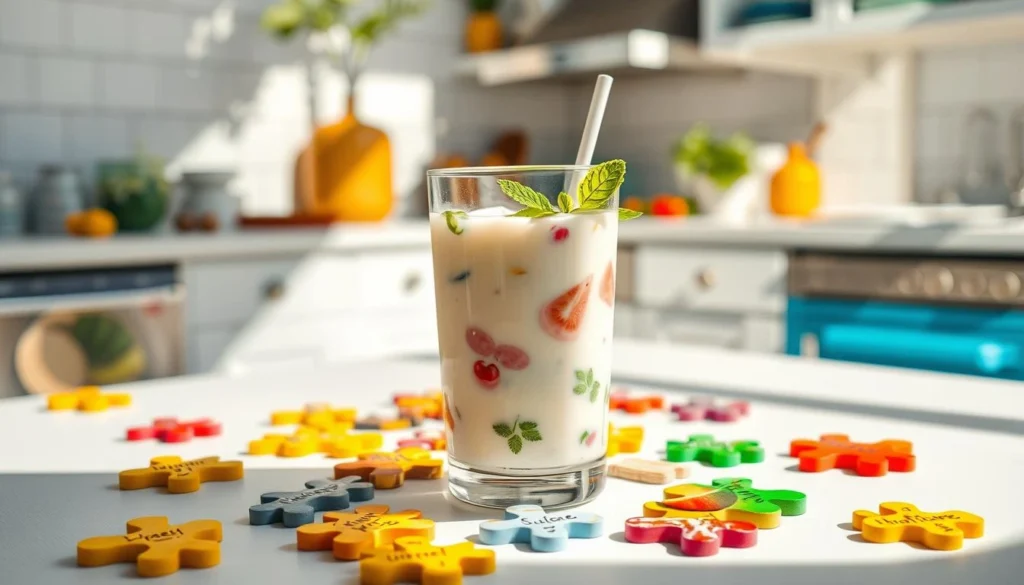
(197, 82)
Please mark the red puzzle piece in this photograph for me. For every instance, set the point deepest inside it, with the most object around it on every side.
(171, 430)
(869, 459)
(697, 537)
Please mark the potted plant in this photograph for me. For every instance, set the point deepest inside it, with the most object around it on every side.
(345, 172)
(483, 27)
(134, 191)
(712, 169)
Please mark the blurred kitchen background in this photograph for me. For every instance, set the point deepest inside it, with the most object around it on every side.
(836, 179)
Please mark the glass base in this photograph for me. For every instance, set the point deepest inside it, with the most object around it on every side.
(566, 488)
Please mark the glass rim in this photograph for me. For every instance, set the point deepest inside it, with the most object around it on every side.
(504, 170)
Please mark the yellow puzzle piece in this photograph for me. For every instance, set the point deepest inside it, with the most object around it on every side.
(157, 547)
(86, 399)
(900, 521)
(413, 559)
(315, 414)
(180, 476)
(624, 440)
(349, 535)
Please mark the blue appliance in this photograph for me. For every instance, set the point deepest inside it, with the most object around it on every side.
(959, 315)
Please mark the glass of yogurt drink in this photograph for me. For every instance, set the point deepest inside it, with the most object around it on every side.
(525, 289)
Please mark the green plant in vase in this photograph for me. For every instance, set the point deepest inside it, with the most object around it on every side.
(345, 172)
(135, 191)
(710, 165)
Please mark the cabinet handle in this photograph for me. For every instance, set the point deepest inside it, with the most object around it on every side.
(273, 290)
(412, 282)
(705, 279)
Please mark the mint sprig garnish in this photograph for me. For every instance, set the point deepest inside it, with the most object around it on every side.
(515, 442)
(593, 193)
(585, 382)
(451, 218)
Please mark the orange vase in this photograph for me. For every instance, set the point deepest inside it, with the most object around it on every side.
(351, 165)
(796, 187)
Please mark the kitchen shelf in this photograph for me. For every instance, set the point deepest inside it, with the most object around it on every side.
(639, 51)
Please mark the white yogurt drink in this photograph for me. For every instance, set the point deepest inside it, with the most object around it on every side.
(525, 313)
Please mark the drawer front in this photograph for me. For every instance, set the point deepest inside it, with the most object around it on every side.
(222, 293)
(720, 280)
(690, 328)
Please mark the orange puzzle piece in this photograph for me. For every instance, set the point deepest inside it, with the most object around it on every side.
(180, 476)
(868, 459)
(639, 405)
(390, 470)
(624, 440)
(86, 399)
(900, 521)
(315, 414)
(308, 440)
(157, 547)
(429, 405)
(351, 534)
(414, 559)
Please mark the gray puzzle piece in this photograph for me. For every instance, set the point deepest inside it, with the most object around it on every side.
(297, 508)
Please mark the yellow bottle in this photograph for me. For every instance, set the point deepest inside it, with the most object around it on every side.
(796, 187)
(352, 170)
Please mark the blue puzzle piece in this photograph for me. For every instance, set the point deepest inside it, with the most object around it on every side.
(545, 532)
(297, 508)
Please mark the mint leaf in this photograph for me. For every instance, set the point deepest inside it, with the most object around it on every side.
(527, 426)
(452, 219)
(532, 436)
(579, 389)
(524, 195)
(600, 184)
(502, 430)
(628, 214)
(590, 376)
(583, 437)
(594, 391)
(564, 202)
(533, 212)
(515, 444)
(581, 375)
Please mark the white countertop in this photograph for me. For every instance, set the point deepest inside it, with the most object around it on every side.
(38, 253)
(968, 435)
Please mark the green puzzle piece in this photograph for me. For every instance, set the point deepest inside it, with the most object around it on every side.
(729, 499)
(705, 449)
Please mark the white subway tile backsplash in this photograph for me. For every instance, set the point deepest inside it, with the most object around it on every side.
(31, 137)
(18, 86)
(160, 34)
(98, 27)
(67, 82)
(91, 137)
(188, 89)
(128, 85)
(31, 23)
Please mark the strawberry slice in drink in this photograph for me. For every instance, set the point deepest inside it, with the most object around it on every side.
(562, 317)
(607, 291)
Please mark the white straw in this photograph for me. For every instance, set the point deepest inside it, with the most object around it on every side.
(592, 128)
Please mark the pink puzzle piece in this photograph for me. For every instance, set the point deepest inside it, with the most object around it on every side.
(706, 409)
(697, 537)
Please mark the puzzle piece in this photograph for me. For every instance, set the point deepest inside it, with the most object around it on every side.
(297, 445)
(157, 547)
(414, 559)
(380, 423)
(350, 535)
(390, 470)
(624, 440)
(316, 414)
(343, 446)
(696, 537)
(429, 405)
(706, 449)
(171, 430)
(308, 440)
(706, 409)
(545, 532)
(728, 499)
(431, 440)
(180, 476)
(647, 471)
(868, 459)
(86, 399)
(634, 405)
(297, 508)
(900, 521)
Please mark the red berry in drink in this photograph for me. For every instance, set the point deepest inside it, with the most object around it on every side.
(559, 233)
(486, 374)
(479, 341)
(511, 357)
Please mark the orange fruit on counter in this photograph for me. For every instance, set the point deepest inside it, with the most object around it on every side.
(634, 204)
(494, 159)
(669, 205)
(91, 223)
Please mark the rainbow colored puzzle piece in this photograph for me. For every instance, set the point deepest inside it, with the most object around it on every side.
(706, 449)
(545, 532)
(900, 521)
(868, 459)
(412, 559)
(696, 537)
(728, 499)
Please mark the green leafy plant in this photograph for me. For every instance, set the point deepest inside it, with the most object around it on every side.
(511, 433)
(723, 162)
(593, 194)
(585, 382)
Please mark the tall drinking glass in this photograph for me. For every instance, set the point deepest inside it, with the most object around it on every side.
(524, 314)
